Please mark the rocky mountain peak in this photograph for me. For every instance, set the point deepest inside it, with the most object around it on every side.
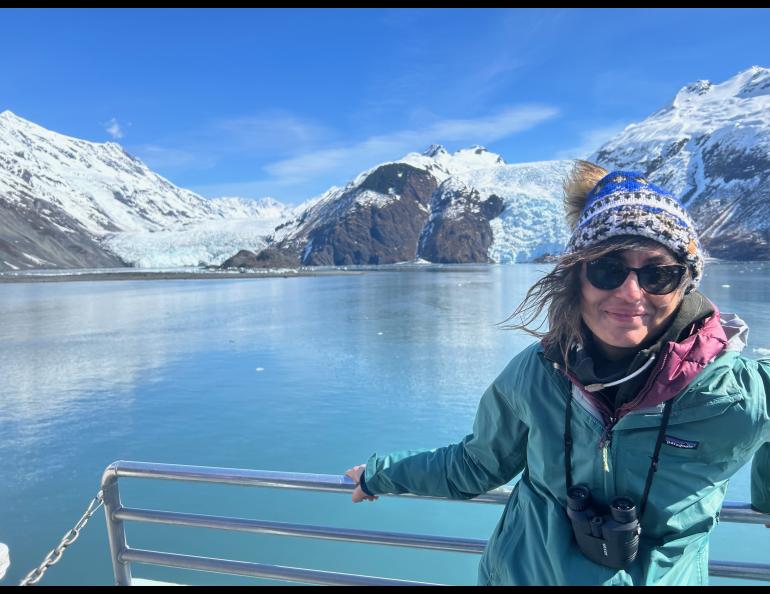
(434, 150)
(757, 82)
(710, 147)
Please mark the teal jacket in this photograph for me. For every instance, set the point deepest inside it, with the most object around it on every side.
(519, 428)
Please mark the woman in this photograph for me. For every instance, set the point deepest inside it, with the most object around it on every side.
(637, 390)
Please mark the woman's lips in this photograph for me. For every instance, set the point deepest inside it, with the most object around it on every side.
(625, 316)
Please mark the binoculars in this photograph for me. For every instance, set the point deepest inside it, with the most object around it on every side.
(607, 537)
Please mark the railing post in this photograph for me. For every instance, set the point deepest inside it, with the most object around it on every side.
(115, 529)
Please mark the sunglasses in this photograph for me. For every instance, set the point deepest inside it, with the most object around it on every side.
(610, 273)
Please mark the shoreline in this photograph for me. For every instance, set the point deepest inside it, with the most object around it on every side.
(131, 274)
(187, 275)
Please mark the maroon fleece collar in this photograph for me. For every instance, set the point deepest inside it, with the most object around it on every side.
(678, 364)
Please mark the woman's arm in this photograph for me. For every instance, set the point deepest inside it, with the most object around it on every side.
(490, 456)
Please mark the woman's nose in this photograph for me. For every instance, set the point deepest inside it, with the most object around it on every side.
(630, 288)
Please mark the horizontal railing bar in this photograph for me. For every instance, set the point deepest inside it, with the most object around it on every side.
(742, 513)
(752, 571)
(731, 511)
(735, 569)
(267, 478)
(460, 545)
(260, 570)
(422, 541)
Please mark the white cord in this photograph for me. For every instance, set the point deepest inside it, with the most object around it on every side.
(597, 387)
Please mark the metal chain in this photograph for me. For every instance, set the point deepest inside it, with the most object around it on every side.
(34, 576)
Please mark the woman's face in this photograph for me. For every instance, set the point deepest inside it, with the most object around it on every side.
(625, 318)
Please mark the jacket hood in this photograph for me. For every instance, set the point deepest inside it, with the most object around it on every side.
(736, 331)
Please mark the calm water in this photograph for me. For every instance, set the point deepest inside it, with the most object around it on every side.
(296, 374)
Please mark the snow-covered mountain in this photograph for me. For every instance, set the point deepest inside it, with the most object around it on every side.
(61, 198)
(66, 202)
(711, 147)
(466, 206)
(435, 160)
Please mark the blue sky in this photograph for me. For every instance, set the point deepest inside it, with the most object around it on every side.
(286, 103)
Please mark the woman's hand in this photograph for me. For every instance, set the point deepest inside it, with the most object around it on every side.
(358, 493)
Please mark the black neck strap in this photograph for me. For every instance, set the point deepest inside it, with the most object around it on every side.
(568, 443)
(653, 465)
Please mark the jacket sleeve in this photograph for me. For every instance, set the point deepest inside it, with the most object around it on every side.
(760, 479)
(760, 465)
(490, 456)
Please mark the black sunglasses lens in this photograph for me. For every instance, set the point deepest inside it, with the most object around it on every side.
(606, 273)
(660, 280)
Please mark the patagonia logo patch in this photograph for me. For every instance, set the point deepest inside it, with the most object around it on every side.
(681, 443)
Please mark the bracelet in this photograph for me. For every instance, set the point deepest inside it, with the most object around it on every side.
(362, 484)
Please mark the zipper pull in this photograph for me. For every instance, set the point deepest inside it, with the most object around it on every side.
(605, 452)
(605, 443)
(605, 459)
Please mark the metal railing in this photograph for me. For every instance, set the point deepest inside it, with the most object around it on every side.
(123, 556)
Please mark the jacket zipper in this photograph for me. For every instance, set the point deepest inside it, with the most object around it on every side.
(605, 443)
(606, 438)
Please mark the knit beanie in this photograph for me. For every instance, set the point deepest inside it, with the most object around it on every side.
(625, 203)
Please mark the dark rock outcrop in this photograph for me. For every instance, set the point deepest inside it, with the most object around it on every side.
(458, 230)
(546, 259)
(266, 258)
(377, 222)
(36, 234)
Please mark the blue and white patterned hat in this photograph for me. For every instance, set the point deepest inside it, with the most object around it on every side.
(625, 203)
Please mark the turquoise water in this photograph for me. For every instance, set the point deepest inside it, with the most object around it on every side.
(308, 374)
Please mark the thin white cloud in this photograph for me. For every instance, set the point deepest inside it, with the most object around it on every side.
(590, 142)
(315, 157)
(371, 151)
(292, 178)
(160, 157)
(268, 135)
(266, 132)
(113, 129)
